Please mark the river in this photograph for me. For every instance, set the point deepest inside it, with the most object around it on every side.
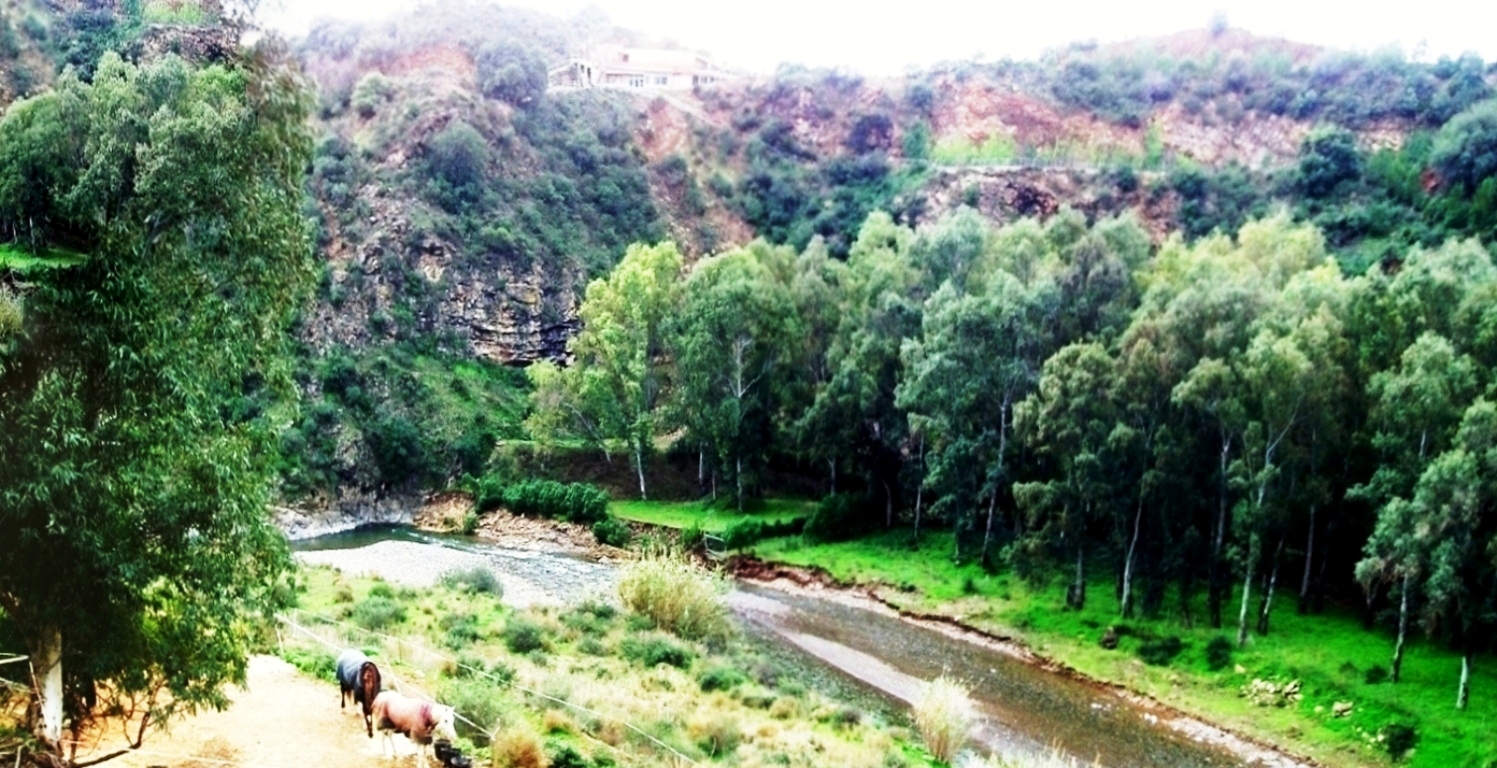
(870, 654)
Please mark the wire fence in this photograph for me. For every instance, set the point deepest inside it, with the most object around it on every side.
(421, 648)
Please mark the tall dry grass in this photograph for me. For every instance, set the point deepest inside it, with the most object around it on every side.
(679, 596)
(944, 717)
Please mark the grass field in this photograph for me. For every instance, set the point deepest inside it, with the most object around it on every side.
(707, 517)
(20, 260)
(564, 682)
(1329, 654)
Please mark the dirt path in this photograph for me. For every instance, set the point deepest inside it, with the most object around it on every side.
(283, 720)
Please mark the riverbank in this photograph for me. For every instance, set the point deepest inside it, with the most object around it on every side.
(1338, 710)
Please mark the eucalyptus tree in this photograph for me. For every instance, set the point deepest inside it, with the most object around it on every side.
(730, 340)
(1455, 506)
(621, 370)
(977, 357)
(135, 541)
(853, 418)
(1416, 411)
(1074, 421)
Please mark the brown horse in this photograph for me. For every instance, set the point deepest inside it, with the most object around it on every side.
(358, 675)
(416, 719)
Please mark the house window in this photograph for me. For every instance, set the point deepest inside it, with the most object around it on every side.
(636, 82)
(661, 79)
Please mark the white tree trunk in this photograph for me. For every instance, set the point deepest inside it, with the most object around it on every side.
(1464, 693)
(46, 668)
(1138, 518)
(1403, 629)
(639, 466)
(1241, 616)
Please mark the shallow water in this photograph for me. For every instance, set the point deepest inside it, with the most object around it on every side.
(1024, 709)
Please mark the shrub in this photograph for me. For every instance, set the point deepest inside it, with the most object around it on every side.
(612, 532)
(1160, 652)
(377, 612)
(470, 524)
(314, 662)
(573, 502)
(676, 595)
(944, 716)
(564, 755)
(519, 747)
(477, 579)
(522, 636)
(720, 679)
(462, 630)
(656, 650)
(838, 517)
(717, 735)
(590, 618)
(479, 701)
(381, 589)
(1375, 675)
(1218, 653)
(1398, 739)
(746, 533)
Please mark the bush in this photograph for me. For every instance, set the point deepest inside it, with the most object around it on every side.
(746, 533)
(470, 524)
(720, 679)
(519, 747)
(573, 502)
(590, 618)
(477, 579)
(462, 630)
(839, 516)
(717, 735)
(564, 755)
(1218, 653)
(1160, 652)
(944, 717)
(377, 612)
(655, 650)
(1375, 675)
(315, 662)
(479, 701)
(676, 595)
(1398, 739)
(522, 636)
(612, 532)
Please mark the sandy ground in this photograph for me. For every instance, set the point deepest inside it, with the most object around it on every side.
(282, 720)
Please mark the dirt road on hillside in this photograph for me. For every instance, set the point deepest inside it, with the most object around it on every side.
(283, 720)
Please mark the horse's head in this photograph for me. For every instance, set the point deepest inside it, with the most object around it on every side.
(442, 717)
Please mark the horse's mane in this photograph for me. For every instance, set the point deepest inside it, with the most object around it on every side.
(369, 680)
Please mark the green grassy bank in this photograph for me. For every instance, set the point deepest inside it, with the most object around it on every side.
(1335, 659)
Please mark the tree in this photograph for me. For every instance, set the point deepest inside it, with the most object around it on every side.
(1327, 158)
(512, 73)
(620, 371)
(1071, 420)
(1465, 149)
(729, 340)
(1455, 504)
(977, 357)
(1416, 410)
(135, 544)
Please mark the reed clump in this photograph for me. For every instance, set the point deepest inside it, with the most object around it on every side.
(677, 595)
(944, 717)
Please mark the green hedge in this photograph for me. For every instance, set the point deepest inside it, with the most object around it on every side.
(573, 502)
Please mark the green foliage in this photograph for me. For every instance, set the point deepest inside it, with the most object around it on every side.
(126, 470)
(459, 156)
(572, 502)
(719, 679)
(745, 533)
(675, 595)
(512, 73)
(523, 636)
(1218, 653)
(378, 613)
(654, 650)
(840, 516)
(1465, 149)
(478, 580)
(1328, 158)
(1398, 739)
(612, 532)
(372, 93)
(1160, 652)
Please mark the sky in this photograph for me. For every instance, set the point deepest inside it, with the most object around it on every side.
(892, 36)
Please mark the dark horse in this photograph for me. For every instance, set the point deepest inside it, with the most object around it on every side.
(358, 675)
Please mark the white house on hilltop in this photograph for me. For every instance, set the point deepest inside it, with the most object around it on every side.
(639, 69)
